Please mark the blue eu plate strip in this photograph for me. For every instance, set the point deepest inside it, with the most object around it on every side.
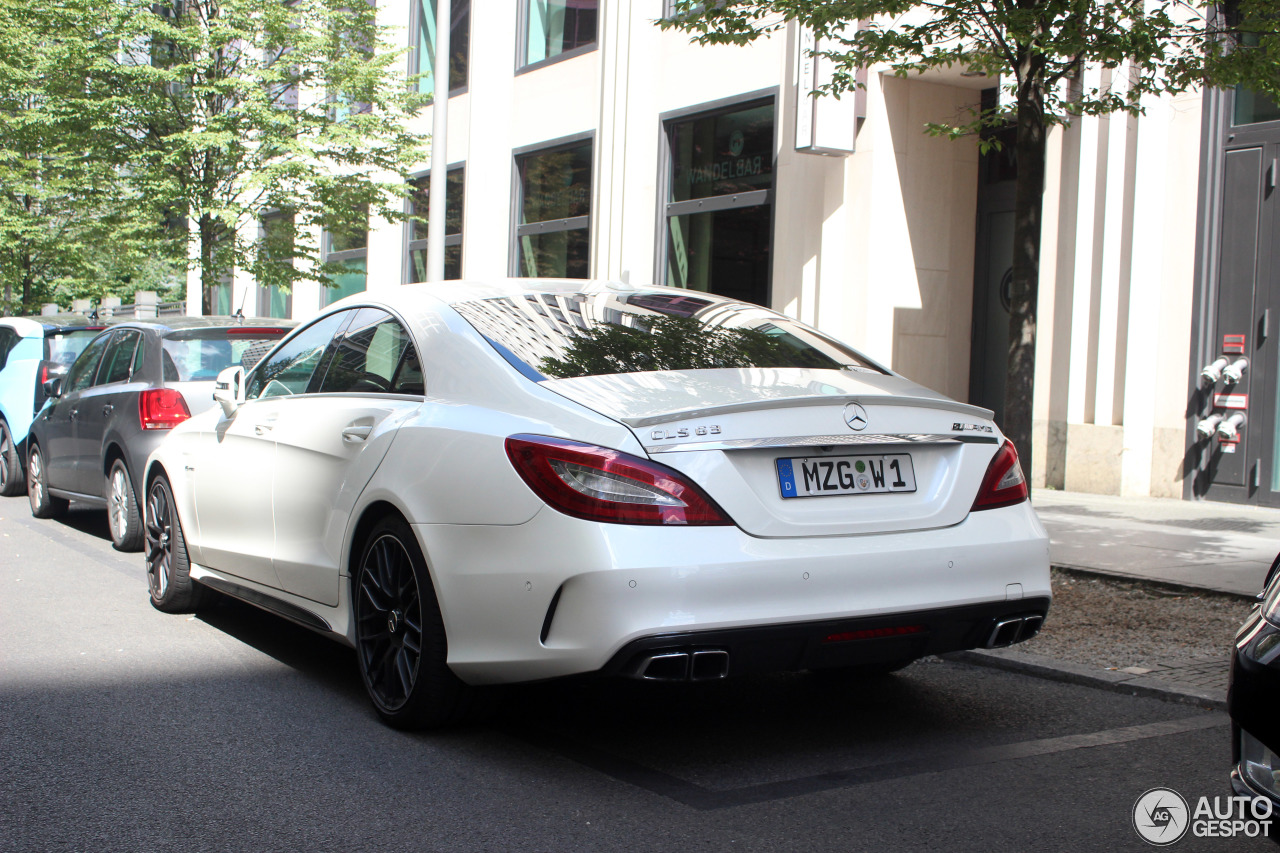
(786, 478)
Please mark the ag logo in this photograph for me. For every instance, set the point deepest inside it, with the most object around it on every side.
(1161, 817)
(855, 416)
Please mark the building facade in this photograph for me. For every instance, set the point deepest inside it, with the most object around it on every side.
(586, 142)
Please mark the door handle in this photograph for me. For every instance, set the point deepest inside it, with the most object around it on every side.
(106, 410)
(353, 434)
(73, 414)
(262, 429)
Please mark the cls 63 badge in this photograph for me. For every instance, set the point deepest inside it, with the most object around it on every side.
(971, 428)
(684, 432)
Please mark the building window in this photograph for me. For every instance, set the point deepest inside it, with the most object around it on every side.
(719, 208)
(350, 250)
(417, 262)
(422, 53)
(277, 242)
(552, 30)
(554, 204)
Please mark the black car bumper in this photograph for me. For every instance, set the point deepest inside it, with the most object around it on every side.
(868, 641)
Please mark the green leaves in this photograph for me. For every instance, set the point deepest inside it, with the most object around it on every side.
(121, 121)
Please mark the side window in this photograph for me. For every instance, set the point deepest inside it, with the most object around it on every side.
(8, 340)
(82, 372)
(369, 356)
(289, 370)
(117, 364)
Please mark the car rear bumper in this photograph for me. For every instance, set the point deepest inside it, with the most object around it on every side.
(559, 596)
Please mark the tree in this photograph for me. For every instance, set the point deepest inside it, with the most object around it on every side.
(233, 110)
(69, 227)
(1160, 46)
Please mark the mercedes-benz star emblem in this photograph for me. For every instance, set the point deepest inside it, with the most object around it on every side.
(855, 416)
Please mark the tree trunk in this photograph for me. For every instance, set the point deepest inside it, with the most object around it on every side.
(208, 270)
(1028, 204)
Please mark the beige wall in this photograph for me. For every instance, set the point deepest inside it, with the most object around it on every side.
(1116, 293)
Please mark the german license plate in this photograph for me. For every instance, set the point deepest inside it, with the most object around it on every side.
(810, 477)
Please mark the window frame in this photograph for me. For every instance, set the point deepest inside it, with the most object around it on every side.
(523, 66)
(264, 291)
(411, 245)
(414, 61)
(329, 256)
(667, 209)
(548, 226)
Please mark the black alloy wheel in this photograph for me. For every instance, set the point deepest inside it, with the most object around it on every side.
(168, 567)
(400, 638)
(10, 464)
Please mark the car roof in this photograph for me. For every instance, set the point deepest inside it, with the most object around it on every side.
(430, 295)
(184, 323)
(43, 323)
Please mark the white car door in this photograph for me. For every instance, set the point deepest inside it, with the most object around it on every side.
(330, 442)
(233, 473)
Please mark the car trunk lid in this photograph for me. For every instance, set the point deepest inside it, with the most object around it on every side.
(800, 452)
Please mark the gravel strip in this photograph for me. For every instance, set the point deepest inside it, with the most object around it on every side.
(1115, 624)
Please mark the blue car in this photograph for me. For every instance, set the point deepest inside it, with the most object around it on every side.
(32, 350)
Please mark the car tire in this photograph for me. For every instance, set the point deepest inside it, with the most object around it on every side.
(43, 504)
(400, 637)
(12, 481)
(168, 567)
(123, 518)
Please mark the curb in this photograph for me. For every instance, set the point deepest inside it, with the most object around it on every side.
(1073, 673)
(1158, 583)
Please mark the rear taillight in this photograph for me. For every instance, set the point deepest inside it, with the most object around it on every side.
(600, 484)
(161, 408)
(1004, 484)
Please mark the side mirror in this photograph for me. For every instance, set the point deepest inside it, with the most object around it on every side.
(53, 387)
(228, 389)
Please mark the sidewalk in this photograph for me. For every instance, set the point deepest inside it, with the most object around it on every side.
(1216, 546)
(1213, 546)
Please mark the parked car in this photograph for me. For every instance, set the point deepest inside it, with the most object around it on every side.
(32, 350)
(125, 391)
(1253, 695)
(486, 483)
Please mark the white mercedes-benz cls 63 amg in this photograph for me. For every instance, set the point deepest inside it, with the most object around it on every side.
(485, 483)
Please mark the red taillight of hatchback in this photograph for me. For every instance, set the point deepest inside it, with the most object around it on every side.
(600, 484)
(161, 408)
(1004, 483)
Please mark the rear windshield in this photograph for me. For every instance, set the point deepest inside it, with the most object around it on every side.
(198, 355)
(560, 336)
(65, 347)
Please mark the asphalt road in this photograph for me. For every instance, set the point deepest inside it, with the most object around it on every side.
(124, 729)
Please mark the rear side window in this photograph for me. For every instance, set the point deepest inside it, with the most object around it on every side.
(199, 355)
(374, 355)
(8, 340)
(117, 364)
(566, 335)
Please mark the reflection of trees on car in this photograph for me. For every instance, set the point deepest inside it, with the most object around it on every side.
(678, 343)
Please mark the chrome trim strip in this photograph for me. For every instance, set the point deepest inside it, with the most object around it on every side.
(859, 439)
(940, 403)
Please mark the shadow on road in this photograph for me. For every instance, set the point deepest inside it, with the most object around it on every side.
(88, 520)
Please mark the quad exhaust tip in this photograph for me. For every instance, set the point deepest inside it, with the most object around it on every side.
(697, 665)
(1014, 630)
